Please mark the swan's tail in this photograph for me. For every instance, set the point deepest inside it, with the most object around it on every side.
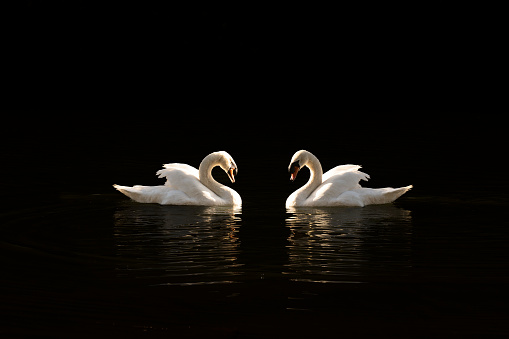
(147, 194)
(395, 193)
(371, 196)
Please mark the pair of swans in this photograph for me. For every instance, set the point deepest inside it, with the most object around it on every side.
(186, 185)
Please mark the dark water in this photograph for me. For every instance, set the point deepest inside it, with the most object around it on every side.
(101, 265)
(80, 260)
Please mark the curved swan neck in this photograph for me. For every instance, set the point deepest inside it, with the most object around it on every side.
(315, 179)
(205, 172)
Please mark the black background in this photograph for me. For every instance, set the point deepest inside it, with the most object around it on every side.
(105, 54)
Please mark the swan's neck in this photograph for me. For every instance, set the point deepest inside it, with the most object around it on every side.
(315, 179)
(205, 176)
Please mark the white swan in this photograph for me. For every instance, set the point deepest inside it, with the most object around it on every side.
(338, 187)
(186, 185)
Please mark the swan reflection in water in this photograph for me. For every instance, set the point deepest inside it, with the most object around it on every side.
(177, 245)
(348, 244)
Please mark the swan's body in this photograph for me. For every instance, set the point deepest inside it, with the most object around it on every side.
(337, 187)
(186, 185)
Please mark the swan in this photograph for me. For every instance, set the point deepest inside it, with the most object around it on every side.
(337, 187)
(186, 185)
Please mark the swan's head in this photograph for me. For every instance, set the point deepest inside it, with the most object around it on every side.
(299, 160)
(228, 165)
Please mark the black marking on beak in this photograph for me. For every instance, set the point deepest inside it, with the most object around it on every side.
(294, 169)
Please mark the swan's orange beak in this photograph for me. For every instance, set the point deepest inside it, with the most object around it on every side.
(232, 172)
(294, 169)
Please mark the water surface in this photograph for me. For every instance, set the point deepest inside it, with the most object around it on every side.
(330, 245)
(102, 265)
(183, 245)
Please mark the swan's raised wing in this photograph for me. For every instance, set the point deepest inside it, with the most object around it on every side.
(337, 181)
(185, 179)
(341, 169)
(181, 167)
(178, 174)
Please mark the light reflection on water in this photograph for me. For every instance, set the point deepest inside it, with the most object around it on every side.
(177, 245)
(193, 245)
(335, 245)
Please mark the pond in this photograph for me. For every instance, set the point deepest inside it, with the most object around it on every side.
(102, 265)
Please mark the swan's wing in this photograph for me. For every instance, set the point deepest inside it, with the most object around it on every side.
(342, 169)
(345, 175)
(185, 178)
(338, 180)
(176, 167)
(176, 174)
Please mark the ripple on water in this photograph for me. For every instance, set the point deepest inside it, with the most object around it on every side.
(177, 245)
(334, 245)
